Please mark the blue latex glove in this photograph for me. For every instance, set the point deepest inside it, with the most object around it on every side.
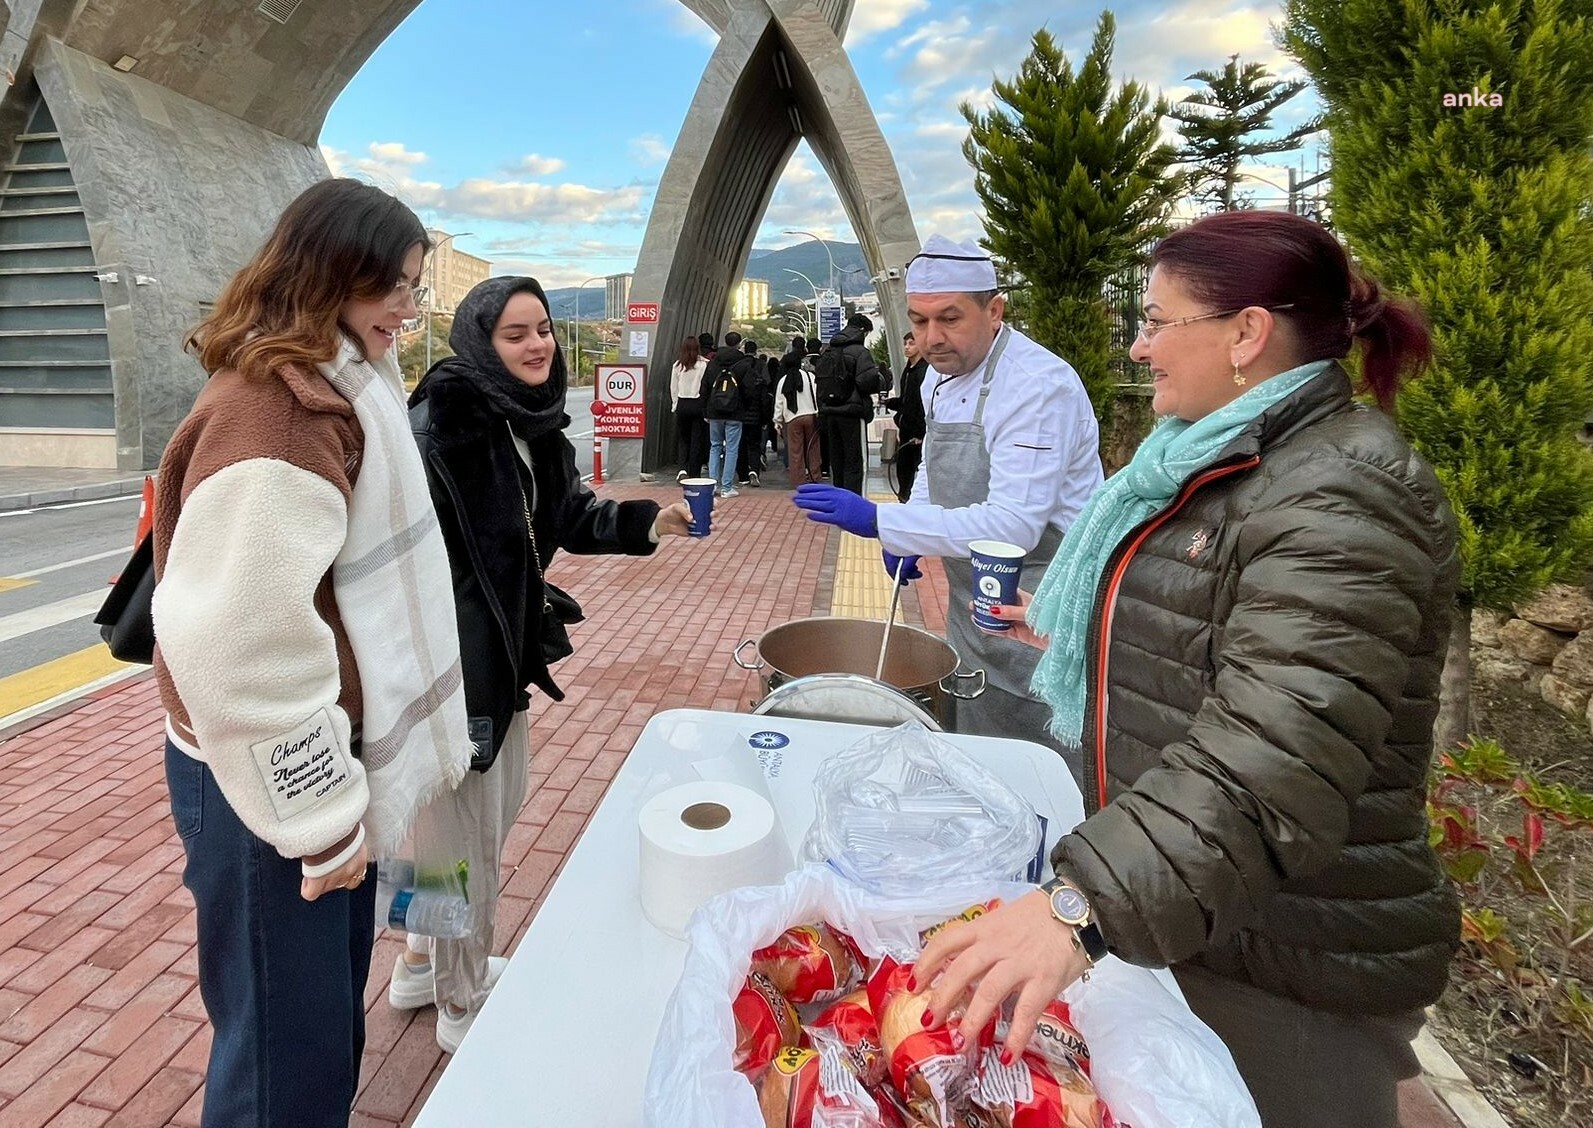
(842, 508)
(909, 565)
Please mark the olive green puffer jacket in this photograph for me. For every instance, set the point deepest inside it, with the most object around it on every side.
(1273, 642)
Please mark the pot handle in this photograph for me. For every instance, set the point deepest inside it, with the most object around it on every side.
(958, 675)
(736, 655)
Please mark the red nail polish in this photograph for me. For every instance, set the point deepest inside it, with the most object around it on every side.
(927, 1017)
(912, 984)
(1006, 1057)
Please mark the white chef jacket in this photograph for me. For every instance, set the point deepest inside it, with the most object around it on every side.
(1044, 448)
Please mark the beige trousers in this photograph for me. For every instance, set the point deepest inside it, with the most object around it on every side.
(486, 802)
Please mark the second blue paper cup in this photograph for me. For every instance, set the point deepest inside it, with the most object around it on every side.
(996, 568)
(699, 494)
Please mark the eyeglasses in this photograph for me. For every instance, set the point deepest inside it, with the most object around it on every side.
(1152, 326)
(406, 292)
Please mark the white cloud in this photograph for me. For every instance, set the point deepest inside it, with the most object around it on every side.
(875, 16)
(393, 152)
(649, 150)
(391, 166)
(804, 198)
(534, 164)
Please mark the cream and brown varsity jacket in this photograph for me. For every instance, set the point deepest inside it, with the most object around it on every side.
(254, 666)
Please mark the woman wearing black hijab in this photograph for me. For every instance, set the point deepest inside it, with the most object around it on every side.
(490, 425)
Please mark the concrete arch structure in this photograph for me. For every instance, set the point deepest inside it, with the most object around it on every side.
(181, 159)
(779, 74)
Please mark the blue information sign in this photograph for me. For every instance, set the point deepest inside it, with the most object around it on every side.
(831, 318)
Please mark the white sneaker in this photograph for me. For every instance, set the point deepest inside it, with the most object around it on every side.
(752, 478)
(410, 990)
(680, 475)
(730, 493)
(452, 1026)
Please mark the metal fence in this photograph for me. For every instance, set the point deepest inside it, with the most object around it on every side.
(1123, 293)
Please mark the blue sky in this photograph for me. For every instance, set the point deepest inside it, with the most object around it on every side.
(542, 129)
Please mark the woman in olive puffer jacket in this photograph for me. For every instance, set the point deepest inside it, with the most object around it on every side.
(1246, 628)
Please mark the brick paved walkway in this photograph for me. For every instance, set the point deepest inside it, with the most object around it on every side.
(100, 1017)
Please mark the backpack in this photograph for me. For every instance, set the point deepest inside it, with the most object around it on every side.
(724, 394)
(837, 385)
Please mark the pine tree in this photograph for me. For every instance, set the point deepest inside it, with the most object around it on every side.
(1221, 127)
(1482, 214)
(1075, 182)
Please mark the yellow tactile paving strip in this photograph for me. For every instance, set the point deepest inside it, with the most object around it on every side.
(862, 589)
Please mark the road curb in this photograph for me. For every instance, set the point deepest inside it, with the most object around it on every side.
(95, 491)
(26, 720)
(1450, 1084)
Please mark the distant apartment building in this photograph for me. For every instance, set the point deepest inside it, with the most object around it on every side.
(616, 294)
(751, 301)
(451, 272)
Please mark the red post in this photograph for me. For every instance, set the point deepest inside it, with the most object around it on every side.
(146, 517)
(597, 461)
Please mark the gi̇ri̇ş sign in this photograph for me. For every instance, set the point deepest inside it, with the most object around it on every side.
(617, 408)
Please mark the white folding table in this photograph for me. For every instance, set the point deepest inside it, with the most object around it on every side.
(567, 1033)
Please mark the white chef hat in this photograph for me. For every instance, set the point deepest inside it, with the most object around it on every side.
(946, 267)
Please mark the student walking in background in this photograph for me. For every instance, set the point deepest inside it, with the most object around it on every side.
(685, 400)
(796, 413)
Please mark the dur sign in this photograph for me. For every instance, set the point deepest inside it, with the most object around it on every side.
(617, 408)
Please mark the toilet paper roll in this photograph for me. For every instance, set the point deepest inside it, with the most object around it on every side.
(701, 839)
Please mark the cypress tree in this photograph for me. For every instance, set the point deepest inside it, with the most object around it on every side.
(1075, 181)
(1483, 214)
(1222, 127)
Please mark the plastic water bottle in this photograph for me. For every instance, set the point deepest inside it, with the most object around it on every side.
(429, 912)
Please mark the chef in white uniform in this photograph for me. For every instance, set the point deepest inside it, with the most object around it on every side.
(1011, 454)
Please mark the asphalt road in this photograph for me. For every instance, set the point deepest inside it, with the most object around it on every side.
(55, 568)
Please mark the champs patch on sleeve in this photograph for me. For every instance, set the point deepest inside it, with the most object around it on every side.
(303, 767)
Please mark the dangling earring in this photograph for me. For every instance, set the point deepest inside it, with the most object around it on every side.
(1238, 377)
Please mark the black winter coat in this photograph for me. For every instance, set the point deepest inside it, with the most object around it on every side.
(754, 389)
(478, 487)
(908, 403)
(857, 366)
(1271, 680)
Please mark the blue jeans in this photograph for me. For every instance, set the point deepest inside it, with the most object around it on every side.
(283, 979)
(724, 440)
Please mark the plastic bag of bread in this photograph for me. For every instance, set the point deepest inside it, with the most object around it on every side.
(811, 963)
(1153, 1062)
(765, 1021)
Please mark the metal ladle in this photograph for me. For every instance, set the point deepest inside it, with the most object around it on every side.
(890, 620)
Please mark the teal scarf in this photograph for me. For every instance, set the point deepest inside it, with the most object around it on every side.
(1169, 455)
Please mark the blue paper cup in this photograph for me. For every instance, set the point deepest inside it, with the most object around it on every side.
(700, 496)
(996, 568)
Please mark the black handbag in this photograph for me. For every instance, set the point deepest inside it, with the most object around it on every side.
(559, 609)
(125, 620)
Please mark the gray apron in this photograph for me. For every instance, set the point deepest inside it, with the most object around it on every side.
(957, 470)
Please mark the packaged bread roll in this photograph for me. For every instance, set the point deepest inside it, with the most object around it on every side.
(811, 963)
(765, 1021)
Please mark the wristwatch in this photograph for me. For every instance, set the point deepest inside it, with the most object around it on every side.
(1072, 908)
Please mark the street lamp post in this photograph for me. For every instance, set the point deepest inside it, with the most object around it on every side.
(574, 347)
(431, 291)
(820, 242)
(808, 280)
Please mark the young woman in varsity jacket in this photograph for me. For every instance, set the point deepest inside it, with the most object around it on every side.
(292, 518)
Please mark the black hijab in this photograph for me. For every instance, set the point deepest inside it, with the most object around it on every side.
(791, 365)
(531, 411)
